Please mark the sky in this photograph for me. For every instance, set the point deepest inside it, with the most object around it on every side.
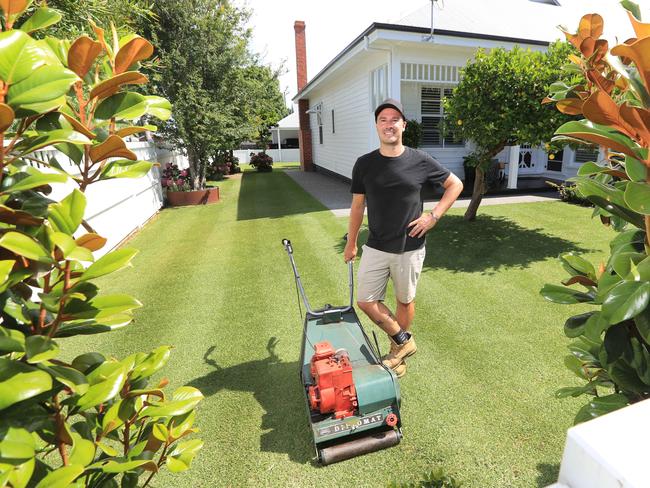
(330, 27)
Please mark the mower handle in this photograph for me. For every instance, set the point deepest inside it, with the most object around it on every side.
(287, 247)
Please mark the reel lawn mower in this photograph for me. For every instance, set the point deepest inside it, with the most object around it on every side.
(353, 400)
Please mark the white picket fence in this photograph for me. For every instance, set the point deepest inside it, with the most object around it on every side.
(278, 155)
(117, 208)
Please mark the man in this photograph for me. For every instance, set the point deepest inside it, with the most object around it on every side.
(389, 181)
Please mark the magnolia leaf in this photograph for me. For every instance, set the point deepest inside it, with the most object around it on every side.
(579, 264)
(126, 169)
(564, 295)
(69, 248)
(13, 8)
(160, 432)
(180, 458)
(635, 169)
(133, 51)
(19, 381)
(67, 376)
(183, 401)
(26, 246)
(42, 18)
(574, 326)
(84, 363)
(626, 300)
(121, 465)
(153, 363)
(113, 147)
(61, 477)
(31, 109)
(66, 216)
(128, 131)
(125, 105)
(600, 406)
(17, 445)
(106, 382)
(93, 326)
(11, 341)
(31, 144)
(40, 348)
(78, 126)
(7, 116)
(45, 83)
(83, 451)
(91, 241)
(82, 55)
(595, 134)
(110, 86)
(20, 55)
(101, 306)
(591, 168)
(637, 196)
(159, 107)
(109, 263)
(18, 217)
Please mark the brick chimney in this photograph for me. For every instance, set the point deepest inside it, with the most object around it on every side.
(306, 161)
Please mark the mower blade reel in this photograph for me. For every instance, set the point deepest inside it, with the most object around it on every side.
(358, 447)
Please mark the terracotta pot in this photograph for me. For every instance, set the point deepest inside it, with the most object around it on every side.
(195, 197)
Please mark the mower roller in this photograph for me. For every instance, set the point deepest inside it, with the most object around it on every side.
(353, 400)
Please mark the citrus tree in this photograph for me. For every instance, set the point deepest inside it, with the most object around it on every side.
(611, 350)
(90, 420)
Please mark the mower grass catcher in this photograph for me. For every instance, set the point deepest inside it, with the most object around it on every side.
(352, 398)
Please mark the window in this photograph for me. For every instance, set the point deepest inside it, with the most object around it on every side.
(586, 153)
(433, 115)
(333, 127)
(379, 85)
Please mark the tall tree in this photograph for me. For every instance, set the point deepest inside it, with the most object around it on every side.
(498, 103)
(221, 94)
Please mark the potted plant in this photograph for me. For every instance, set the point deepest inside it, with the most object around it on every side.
(179, 192)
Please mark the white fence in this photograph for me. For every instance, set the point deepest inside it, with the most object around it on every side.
(116, 208)
(278, 155)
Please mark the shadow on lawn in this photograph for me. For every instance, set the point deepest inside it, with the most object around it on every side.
(275, 386)
(486, 245)
(272, 195)
(548, 474)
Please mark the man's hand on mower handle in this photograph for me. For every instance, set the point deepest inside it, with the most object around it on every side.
(350, 251)
(422, 224)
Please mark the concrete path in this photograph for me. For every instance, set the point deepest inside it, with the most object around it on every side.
(335, 194)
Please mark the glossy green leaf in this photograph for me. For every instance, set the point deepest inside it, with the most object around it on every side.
(21, 475)
(574, 326)
(591, 168)
(642, 322)
(11, 340)
(62, 477)
(40, 348)
(123, 465)
(83, 451)
(153, 363)
(579, 264)
(66, 215)
(17, 445)
(20, 56)
(122, 106)
(596, 134)
(564, 295)
(93, 326)
(109, 263)
(37, 108)
(46, 83)
(600, 406)
(26, 246)
(626, 300)
(622, 212)
(19, 381)
(125, 168)
(34, 181)
(622, 262)
(70, 377)
(574, 365)
(635, 169)
(69, 248)
(637, 196)
(86, 362)
(180, 458)
(31, 144)
(42, 18)
(159, 107)
(183, 401)
(595, 326)
(102, 306)
(589, 187)
(574, 391)
(627, 379)
(179, 425)
(160, 432)
(103, 387)
(616, 342)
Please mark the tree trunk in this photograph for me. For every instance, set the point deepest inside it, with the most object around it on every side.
(194, 162)
(477, 194)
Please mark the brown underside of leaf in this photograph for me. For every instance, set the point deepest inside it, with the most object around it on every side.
(639, 53)
(91, 241)
(12, 7)
(591, 25)
(18, 217)
(640, 29)
(79, 127)
(113, 147)
(601, 109)
(133, 51)
(570, 106)
(583, 280)
(82, 54)
(639, 120)
(129, 131)
(6, 117)
(108, 87)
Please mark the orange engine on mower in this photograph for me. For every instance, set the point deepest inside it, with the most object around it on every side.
(333, 390)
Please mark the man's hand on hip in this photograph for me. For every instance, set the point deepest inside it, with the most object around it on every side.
(350, 252)
(423, 224)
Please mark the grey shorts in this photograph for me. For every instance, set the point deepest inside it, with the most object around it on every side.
(376, 267)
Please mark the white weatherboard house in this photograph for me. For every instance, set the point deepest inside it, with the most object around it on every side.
(406, 61)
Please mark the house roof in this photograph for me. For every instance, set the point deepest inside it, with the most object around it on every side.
(291, 121)
(526, 22)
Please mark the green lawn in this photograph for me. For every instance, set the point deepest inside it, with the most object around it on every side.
(478, 398)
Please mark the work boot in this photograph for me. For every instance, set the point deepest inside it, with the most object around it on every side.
(399, 352)
(400, 369)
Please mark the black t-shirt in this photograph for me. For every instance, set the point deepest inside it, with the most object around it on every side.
(392, 188)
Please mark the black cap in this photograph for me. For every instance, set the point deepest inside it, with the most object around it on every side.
(389, 103)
